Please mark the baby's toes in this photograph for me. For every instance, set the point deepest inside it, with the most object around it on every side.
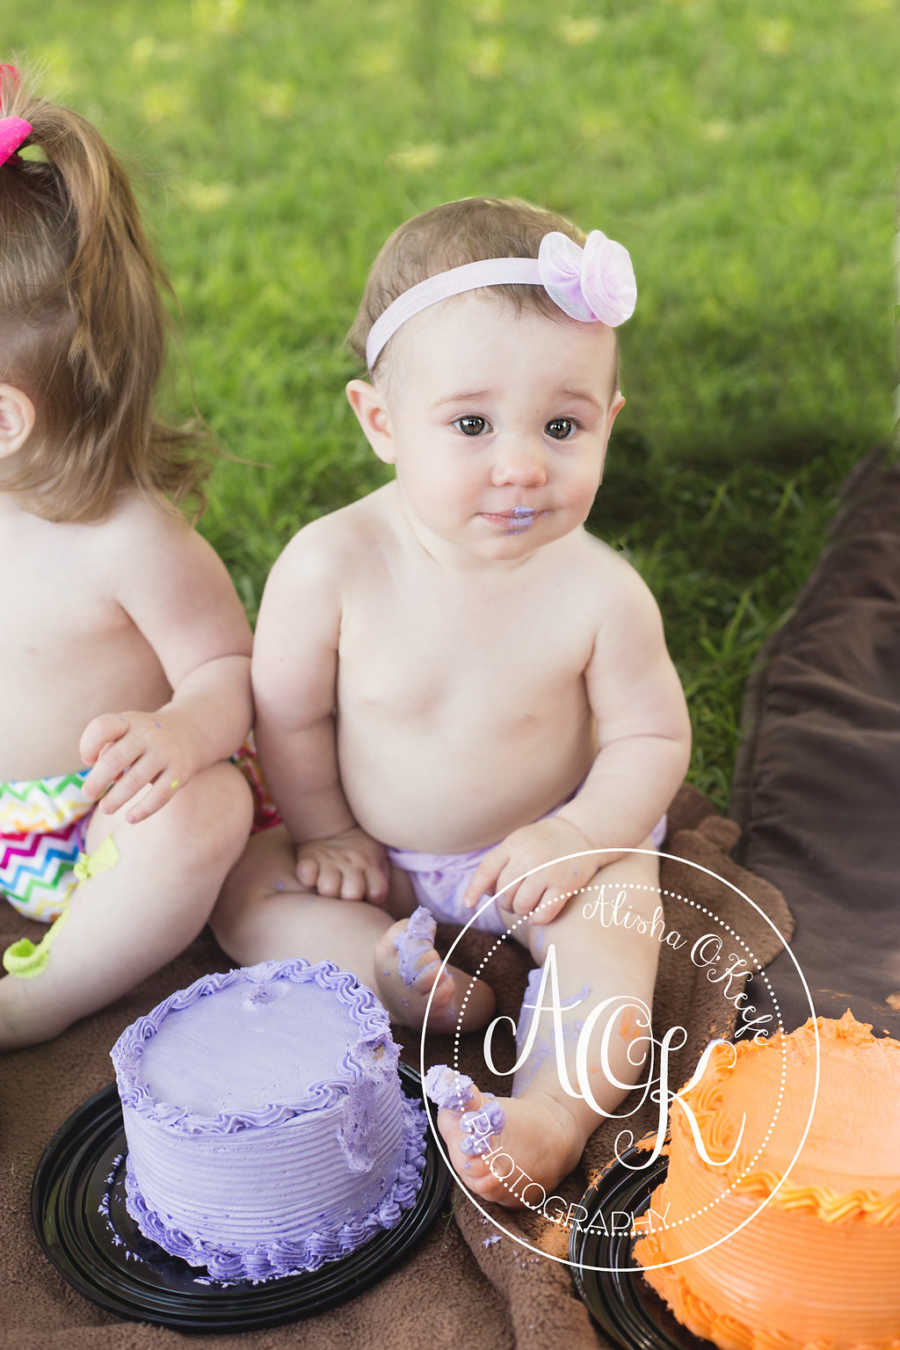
(408, 972)
(470, 1121)
(308, 872)
(426, 976)
(353, 884)
(328, 881)
(413, 940)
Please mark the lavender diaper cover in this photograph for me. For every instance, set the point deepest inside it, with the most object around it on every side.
(440, 880)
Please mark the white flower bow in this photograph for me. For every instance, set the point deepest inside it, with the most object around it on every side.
(591, 283)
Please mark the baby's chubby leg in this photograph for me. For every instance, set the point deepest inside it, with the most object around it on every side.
(128, 920)
(544, 1127)
(264, 913)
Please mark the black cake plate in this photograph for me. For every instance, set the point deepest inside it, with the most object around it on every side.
(617, 1296)
(104, 1256)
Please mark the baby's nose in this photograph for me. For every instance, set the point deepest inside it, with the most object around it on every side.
(520, 462)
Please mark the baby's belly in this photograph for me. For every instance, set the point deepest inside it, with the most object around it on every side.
(438, 794)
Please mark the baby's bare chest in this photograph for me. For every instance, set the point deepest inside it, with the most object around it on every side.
(493, 660)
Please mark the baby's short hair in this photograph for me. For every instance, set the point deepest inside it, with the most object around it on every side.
(449, 236)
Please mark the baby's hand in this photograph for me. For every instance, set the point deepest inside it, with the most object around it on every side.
(347, 866)
(133, 749)
(525, 849)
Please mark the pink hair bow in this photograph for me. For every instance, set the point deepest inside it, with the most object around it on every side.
(14, 131)
(591, 283)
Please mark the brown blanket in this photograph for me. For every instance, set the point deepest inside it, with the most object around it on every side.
(816, 787)
(453, 1287)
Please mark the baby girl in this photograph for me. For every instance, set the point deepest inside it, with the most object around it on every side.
(125, 670)
(455, 683)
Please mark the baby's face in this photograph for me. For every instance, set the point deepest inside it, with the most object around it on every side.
(499, 423)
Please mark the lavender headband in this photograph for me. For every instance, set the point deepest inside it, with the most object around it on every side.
(594, 284)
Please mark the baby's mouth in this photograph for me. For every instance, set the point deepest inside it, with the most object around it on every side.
(522, 518)
(516, 519)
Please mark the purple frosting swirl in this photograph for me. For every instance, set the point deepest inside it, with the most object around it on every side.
(448, 1088)
(478, 1125)
(364, 1010)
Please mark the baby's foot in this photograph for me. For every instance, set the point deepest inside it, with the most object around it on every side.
(406, 966)
(512, 1150)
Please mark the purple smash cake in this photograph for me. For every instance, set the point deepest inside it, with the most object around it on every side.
(266, 1127)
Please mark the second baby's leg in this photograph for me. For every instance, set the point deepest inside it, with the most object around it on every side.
(265, 914)
(130, 919)
(546, 1128)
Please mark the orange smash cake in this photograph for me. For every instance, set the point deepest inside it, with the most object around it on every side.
(818, 1267)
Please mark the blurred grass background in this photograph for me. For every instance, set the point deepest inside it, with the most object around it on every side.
(742, 151)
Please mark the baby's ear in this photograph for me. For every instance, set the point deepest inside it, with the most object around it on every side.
(16, 419)
(615, 408)
(372, 414)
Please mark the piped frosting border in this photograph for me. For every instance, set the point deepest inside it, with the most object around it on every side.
(360, 1002)
(708, 1098)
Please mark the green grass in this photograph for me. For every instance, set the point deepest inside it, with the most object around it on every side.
(742, 152)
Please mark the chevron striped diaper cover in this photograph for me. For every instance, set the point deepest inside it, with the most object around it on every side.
(43, 824)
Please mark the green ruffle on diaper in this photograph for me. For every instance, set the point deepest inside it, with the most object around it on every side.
(24, 958)
(101, 860)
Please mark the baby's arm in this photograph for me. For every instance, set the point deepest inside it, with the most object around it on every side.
(643, 752)
(176, 590)
(295, 662)
(644, 731)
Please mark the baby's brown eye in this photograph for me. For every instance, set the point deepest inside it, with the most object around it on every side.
(470, 425)
(561, 428)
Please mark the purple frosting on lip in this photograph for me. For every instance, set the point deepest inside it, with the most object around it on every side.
(448, 1088)
(416, 939)
(522, 518)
